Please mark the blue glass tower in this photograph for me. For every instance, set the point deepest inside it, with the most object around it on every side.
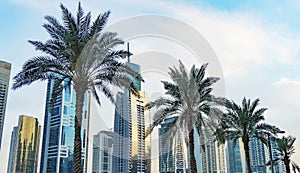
(131, 149)
(58, 135)
(257, 155)
(172, 156)
(234, 159)
(12, 151)
(166, 155)
(279, 166)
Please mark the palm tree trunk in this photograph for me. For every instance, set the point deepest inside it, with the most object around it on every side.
(193, 163)
(245, 140)
(77, 138)
(287, 164)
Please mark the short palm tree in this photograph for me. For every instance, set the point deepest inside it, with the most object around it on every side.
(81, 55)
(189, 97)
(285, 147)
(244, 122)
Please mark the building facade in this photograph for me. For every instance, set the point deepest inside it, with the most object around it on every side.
(58, 135)
(221, 158)
(213, 154)
(131, 148)
(12, 151)
(234, 157)
(278, 167)
(102, 152)
(172, 149)
(257, 155)
(5, 69)
(24, 153)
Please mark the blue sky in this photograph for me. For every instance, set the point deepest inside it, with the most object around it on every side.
(256, 42)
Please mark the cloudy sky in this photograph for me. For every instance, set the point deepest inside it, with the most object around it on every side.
(252, 45)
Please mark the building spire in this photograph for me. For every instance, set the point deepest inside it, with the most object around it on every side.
(128, 55)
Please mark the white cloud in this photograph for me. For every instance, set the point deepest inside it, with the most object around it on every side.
(287, 82)
(241, 41)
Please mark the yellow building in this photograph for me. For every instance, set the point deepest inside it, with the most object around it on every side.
(140, 122)
(27, 145)
(131, 150)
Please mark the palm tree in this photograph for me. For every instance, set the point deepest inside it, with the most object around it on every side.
(189, 97)
(285, 147)
(244, 122)
(78, 54)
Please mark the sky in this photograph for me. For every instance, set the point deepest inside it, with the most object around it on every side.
(252, 45)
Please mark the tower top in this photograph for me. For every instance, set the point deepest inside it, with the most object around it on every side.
(128, 53)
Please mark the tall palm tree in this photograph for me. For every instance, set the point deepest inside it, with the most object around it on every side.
(244, 122)
(80, 54)
(189, 97)
(285, 146)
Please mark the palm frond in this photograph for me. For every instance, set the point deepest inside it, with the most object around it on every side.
(99, 23)
(69, 21)
(39, 68)
(295, 167)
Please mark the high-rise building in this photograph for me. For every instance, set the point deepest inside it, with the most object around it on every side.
(4, 84)
(279, 166)
(197, 151)
(166, 153)
(213, 154)
(58, 135)
(221, 158)
(12, 151)
(24, 152)
(257, 155)
(234, 157)
(172, 149)
(102, 152)
(131, 149)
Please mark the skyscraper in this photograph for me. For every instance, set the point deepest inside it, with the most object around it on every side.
(58, 135)
(24, 152)
(12, 151)
(166, 155)
(172, 149)
(234, 157)
(102, 152)
(221, 158)
(4, 84)
(213, 154)
(131, 150)
(279, 166)
(257, 155)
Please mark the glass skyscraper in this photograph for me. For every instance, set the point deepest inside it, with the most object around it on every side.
(257, 155)
(166, 156)
(213, 154)
(4, 84)
(279, 166)
(234, 157)
(12, 151)
(131, 150)
(58, 134)
(102, 152)
(24, 151)
(172, 149)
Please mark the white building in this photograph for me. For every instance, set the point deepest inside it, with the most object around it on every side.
(213, 155)
(102, 152)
